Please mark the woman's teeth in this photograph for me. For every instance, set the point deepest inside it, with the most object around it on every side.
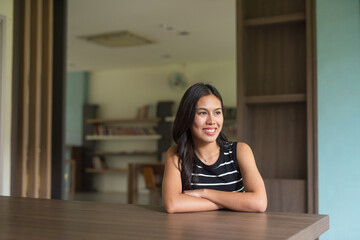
(209, 130)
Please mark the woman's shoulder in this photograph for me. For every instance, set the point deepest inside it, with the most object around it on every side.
(243, 151)
(241, 146)
(171, 151)
(171, 156)
(236, 146)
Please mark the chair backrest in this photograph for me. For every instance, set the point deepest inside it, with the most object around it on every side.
(149, 177)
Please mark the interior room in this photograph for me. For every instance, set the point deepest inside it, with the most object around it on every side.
(128, 76)
(89, 91)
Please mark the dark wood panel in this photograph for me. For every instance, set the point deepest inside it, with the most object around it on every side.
(277, 135)
(58, 97)
(276, 93)
(311, 106)
(275, 60)
(46, 102)
(283, 98)
(20, 114)
(264, 8)
(286, 195)
(240, 58)
(279, 19)
(34, 99)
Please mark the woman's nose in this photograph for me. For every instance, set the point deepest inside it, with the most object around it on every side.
(210, 119)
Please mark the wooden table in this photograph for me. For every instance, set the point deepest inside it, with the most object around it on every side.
(26, 218)
(134, 169)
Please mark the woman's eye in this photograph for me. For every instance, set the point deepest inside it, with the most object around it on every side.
(202, 113)
(218, 113)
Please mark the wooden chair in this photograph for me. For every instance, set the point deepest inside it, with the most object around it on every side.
(153, 185)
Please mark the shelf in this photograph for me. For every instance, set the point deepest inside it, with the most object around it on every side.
(136, 153)
(288, 18)
(123, 137)
(283, 98)
(170, 119)
(94, 170)
(122, 120)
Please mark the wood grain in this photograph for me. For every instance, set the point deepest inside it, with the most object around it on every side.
(311, 106)
(283, 98)
(275, 60)
(26, 218)
(277, 134)
(294, 17)
(21, 128)
(46, 103)
(287, 195)
(276, 97)
(34, 120)
(32, 115)
(269, 8)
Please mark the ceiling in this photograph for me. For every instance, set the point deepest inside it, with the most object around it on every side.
(210, 25)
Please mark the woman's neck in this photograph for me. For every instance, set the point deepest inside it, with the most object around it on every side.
(206, 150)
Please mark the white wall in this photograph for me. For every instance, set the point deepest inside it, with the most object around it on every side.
(6, 9)
(119, 93)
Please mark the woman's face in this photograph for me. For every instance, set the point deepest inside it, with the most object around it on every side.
(208, 119)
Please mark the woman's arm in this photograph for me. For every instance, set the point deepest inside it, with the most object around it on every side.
(253, 200)
(173, 198)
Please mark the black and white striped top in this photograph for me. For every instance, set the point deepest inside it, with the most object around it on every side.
(223, 175)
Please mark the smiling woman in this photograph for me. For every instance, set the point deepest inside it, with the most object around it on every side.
(205, 171)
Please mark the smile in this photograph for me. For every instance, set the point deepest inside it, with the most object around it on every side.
(210, 131)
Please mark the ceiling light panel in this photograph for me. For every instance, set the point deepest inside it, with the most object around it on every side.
(118, 39)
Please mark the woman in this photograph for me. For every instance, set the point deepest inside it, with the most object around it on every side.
(205, 171)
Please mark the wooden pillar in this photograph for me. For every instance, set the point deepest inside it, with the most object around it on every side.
(32, 101)
(46, 103)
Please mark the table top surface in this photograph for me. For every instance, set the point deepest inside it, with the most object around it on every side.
(27, 218)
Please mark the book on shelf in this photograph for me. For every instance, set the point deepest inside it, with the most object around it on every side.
(146, 111)
(136, 152)
(99, 162)
(118, 131)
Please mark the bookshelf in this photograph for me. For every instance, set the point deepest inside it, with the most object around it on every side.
(123, 137)
(117, 129)
(123, 120)
(276, 98)
(110, 144)
(117, 170)
(124, 153)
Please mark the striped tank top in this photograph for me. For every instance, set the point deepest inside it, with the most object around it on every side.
(223, 175)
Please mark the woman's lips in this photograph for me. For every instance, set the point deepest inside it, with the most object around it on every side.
(209, 131)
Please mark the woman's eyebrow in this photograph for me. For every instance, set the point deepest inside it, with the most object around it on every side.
(202, 108)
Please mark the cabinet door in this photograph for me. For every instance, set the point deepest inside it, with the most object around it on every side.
(275, 102)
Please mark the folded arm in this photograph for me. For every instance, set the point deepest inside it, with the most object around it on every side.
(253, 200)
(173, 198)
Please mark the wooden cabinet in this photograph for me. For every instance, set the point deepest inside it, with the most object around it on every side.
(276, 90)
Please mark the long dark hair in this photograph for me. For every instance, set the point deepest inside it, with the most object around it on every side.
(181, 129)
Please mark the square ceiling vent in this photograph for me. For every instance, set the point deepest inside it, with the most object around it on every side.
(118, 39)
